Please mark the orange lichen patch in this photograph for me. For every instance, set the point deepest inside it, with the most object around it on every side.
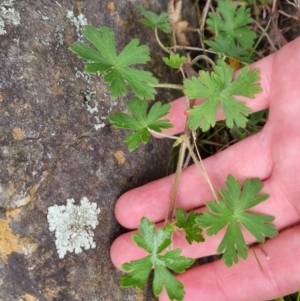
(12, 214)
(1, 97)
(114, 13)
(18, 134)
(111, 6)
(10, 242)
(120, 156)
(28, 297)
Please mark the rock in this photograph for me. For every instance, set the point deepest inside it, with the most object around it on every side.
(57, 144)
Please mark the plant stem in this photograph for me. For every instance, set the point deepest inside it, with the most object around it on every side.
(192, 48)
(160, 43)
(171, 208)
(204, 15)
(169, 86)
(200, 166)
(259, 264)
(162, 135)
(204, 57)
(260, 38)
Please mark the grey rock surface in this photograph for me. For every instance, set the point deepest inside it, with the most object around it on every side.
(56, 144)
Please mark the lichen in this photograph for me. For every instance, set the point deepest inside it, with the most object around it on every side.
(8, 15)
(59, 36)
(11, 242)
(79, 22)
(120, 157)
(73, 226)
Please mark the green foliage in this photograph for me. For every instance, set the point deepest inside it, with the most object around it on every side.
(175, 60)
(141, 122)
(256, 117)
(187, 223)
(231, 212)
(228, 48)
(232, 23)
(116, 68)
(233, 38)
(218, 88)
(153, 20)
(155, 243)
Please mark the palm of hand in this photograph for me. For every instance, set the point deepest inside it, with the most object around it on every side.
(272, 155)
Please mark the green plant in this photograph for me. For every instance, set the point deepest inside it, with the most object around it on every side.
(116, 68)
(230, 211)
(141, 122)
(235, 39)
(155, 243)
(218, 87)
(232, 23)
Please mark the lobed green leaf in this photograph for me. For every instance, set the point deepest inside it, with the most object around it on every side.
(218, 88)
(188, 224)
(230, 212)
(141, 122)
(117, 69)
(162, 277)
(228, 48)
(232, 23)
(139, 272)
(174, 61)
(153, 20)
(156, 242)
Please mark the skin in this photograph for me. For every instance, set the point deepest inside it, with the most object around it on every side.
(271, 155)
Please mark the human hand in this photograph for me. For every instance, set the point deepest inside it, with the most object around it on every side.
(271, 155)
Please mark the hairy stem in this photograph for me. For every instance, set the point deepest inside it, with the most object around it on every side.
(171, 208)
(264, 32)
(169, 86)
(204, 15)
(204, 57)
(192, 48)
(160, 43)
(163, 135)
(200, 166)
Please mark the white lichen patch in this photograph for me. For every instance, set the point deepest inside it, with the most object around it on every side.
(89, 97)
(98, 125)
(78, 22)
(59, 35)
(86, 77)
(8, 15)
(73, 226)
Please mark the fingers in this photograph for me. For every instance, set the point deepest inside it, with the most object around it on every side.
(124, 248)
(248, 158)
(246, 281)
